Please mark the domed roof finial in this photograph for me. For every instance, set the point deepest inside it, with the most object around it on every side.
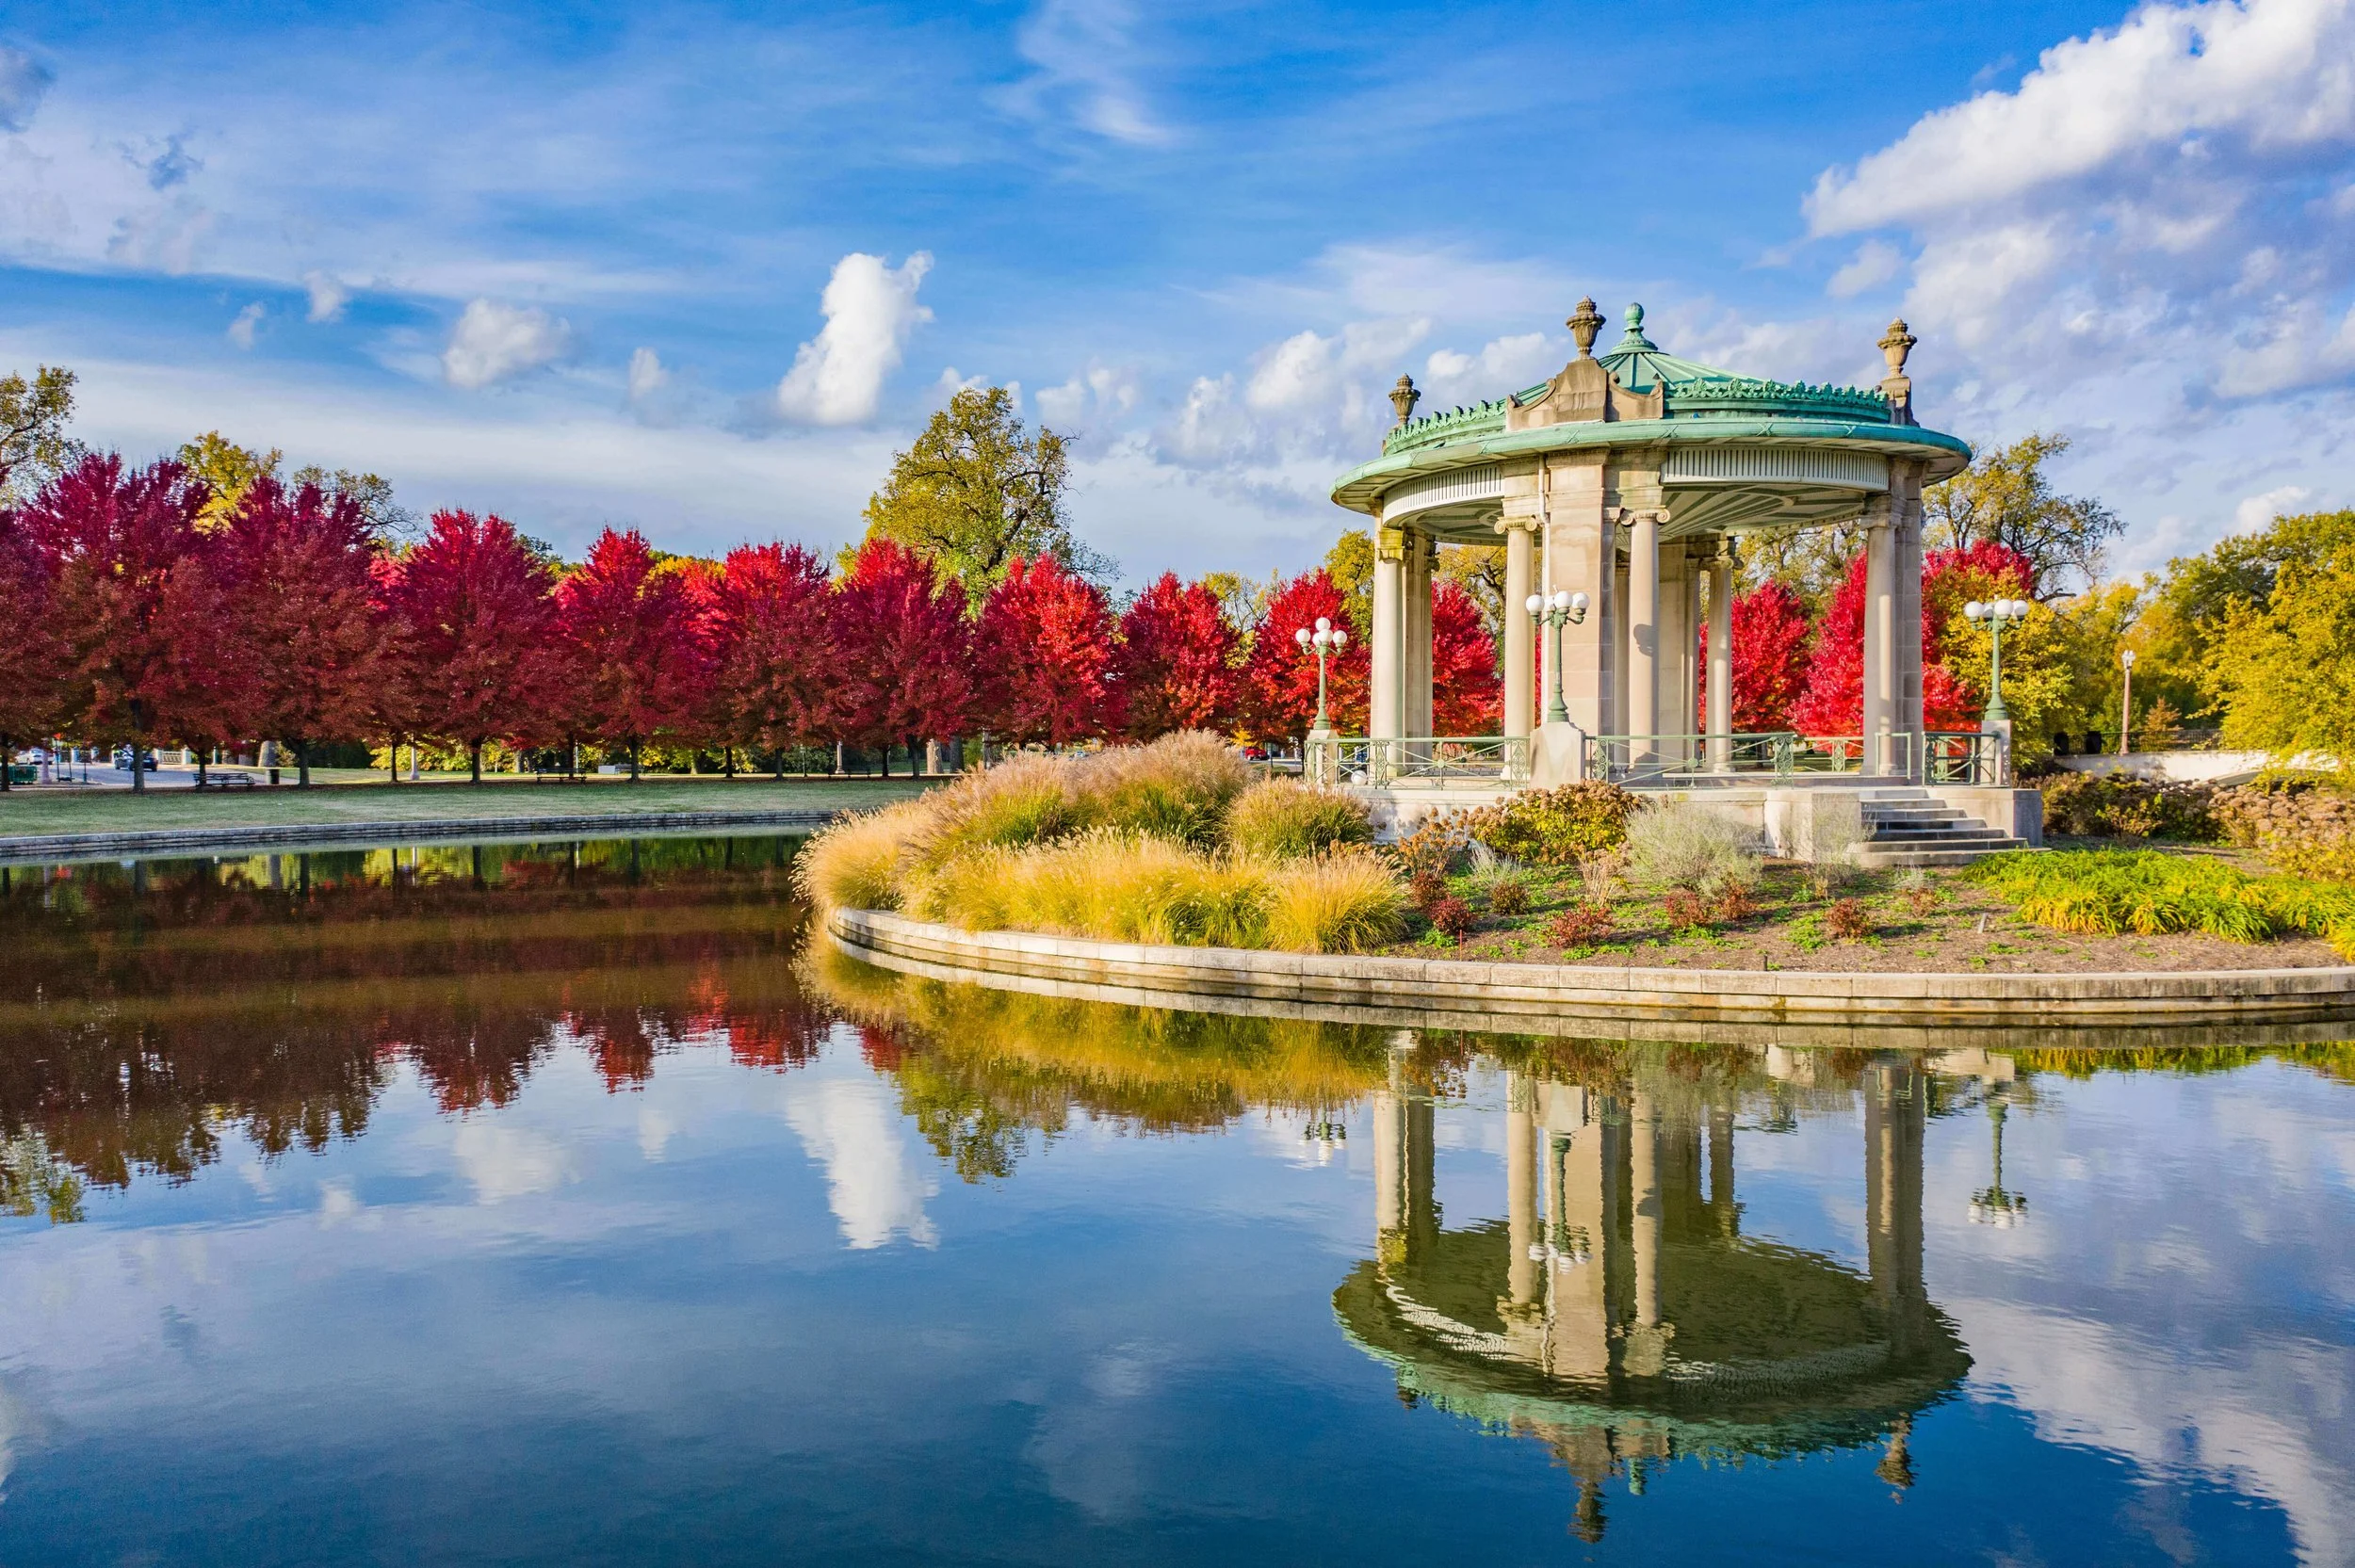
(1404, 398)
(1634, 337)
(1897, 386)
(1583, 324)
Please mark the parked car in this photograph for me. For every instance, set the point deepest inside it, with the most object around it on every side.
(122, 759)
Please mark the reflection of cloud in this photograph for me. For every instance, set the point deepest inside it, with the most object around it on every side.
(2263, 1425)
(654, 1127)
(853, 1128)
(509, 1162)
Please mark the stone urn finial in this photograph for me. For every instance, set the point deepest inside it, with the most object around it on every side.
(1895, 345)
(1404, 398)
(1583, 324)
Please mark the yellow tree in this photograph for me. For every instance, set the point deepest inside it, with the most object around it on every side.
(228, 469)
(2004, 497)
(2283, 667)
(34, 447)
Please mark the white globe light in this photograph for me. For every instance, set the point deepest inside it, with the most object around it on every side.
(1535, 603)
(1323, 624)
(1340, 637)
(2019, 609)
(1561, 600)
(2127, 658)
(1578, 602)
(1975, 611)
(1301, 637)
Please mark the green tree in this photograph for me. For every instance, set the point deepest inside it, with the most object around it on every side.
(2176, 639)
(386, 519)
(2005, 496)
(34, 447)
(1350, 564)
(228, 469)
(2280, 658)
(976, 491)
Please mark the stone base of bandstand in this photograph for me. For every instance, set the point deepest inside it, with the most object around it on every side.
(1808, 819)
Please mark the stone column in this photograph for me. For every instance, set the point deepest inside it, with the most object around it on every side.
(1904, 518)
(1579, 554)
(1720, 725)
(1520, 1188)
(1420, 554)
(1389, 635)
(1675, 642)
(1645, 1231)
(1880, 636)
(1520, 673)
(1643, 629)
(1894, 1123)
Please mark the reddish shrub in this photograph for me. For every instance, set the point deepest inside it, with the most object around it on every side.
(1452, 915)
(1509, 897)
(1684, 909)
(1427, 888)
(1579, 926)
(1848, 920)
(1736, 902)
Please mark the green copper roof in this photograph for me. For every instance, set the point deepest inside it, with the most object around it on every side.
(1692, 391)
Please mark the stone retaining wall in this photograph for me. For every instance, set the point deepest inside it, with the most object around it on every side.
(2104, 1009)
(54, 848)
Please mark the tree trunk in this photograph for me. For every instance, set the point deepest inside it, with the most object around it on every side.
(202, 762)
(916, 767)
(474, 761)
(779, 755)
(392, 759)
(138, 757)
(837, 759)
(633, 762)
(7, 764)
(727, 763)
(303, 764)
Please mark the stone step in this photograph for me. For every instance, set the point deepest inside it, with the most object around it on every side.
(1958, 833)
(1875, 856)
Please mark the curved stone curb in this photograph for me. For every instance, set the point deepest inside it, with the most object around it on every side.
(162, 843)
(1541, 997)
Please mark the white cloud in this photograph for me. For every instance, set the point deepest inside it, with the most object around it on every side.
(328, 296)
(653, 391)
(870, 310)
(1875, 262)
(1105, 391)
(1503, 365)
(504, 1161)
(2257, 511)
(854, 1128)
(241, 330)
(1088, 58)
(22, 81)
(494, 342)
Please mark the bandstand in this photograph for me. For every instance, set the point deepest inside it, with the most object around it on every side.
(1623, 489)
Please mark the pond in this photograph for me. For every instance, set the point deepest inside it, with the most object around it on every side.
(532, 1204)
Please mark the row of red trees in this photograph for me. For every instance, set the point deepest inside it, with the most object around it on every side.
(134, 620)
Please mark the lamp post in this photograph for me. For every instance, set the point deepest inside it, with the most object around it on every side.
(1327, 641)
(2126, 701)
(2001, 613)
(1561, 610)
(1994, 1206)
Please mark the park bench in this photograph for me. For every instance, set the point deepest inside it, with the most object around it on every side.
(227, 781)
(556, 775)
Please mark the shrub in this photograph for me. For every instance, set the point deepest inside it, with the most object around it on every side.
(1601, 872)
(1179, 786)
(1438, 843)
(856, 863)
(2297, 824)
(1735, 903)
(1453, 918)
(2108, 892)
(1920, 896)
(1582, 925)
(1554, 827)
(2123, 805)
(1508, 895)
(1848, 920)
(1678, 844)
(1284, 820)
(1342, 901)
(1425, 888)
(1684, 909)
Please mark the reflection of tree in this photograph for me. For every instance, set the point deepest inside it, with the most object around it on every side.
(195, 1002)
(32, 1181)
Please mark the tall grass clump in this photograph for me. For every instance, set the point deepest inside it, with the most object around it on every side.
(2151, 894)
(1341, 902)
(1179, 786)
(1023, 800)
(1110, 885)
(1282, 819)
(860, 862)
(1681, 844)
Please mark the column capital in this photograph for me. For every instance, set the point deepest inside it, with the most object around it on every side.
(1507, 525)
(1389, 543)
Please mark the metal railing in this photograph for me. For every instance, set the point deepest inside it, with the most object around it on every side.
(1670, 759)
(1418, 759)
(1962, 757)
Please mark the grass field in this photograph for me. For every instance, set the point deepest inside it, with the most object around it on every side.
(54, 811)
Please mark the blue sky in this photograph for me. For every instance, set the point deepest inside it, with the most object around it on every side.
(702, 270)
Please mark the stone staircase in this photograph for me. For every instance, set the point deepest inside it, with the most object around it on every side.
(1912, 827)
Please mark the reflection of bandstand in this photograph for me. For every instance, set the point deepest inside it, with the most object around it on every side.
(1619, 1315)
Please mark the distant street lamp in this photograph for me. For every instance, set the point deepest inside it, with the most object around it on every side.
(2126, 701)
(1327, 641)
(1994, 1206)
(2001, 613)
(1562, 610)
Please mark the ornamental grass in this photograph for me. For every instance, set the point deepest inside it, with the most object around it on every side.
(1280, 819)
(2153, 894)
(1341, 902)
(858, 862)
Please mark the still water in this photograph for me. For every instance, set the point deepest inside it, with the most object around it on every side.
(549, 1204)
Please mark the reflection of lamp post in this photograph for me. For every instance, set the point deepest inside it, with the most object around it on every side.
(2126, 701)
(1562, 610)
(1995, 1206)
(1327, 642)
(2001, 613)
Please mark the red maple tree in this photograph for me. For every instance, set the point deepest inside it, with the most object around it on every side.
(1177, 663)
(629, 625)
(1043, 646)
(1280, 677)
(766, 617)
(1833, 704)
(474, 612)
(1467, 685)
(905, 648)
(1771, 639)
(137, 596)
(33, 694)
(300, 569)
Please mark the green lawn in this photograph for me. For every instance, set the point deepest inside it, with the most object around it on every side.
(57, 811)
